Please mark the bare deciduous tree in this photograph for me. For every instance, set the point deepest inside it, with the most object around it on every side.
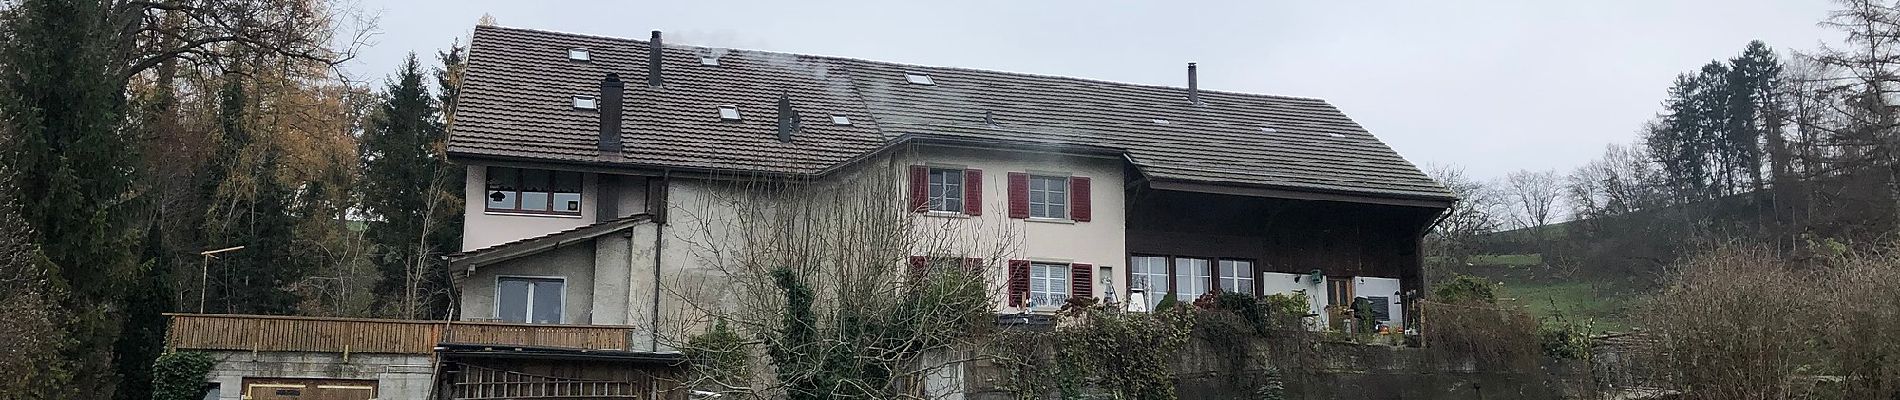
(818, 275)
(1533, 196)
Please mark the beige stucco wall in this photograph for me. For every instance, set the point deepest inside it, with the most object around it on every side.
(1100, 242)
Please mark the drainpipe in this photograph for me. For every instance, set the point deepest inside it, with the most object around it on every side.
(659, 243)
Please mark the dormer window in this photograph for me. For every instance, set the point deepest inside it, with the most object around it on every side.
(579, 54)
(586, 102)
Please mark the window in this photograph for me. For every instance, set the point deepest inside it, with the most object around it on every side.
(1149, 274)
(586, 102)
(534, 191)
(578, 54)
(729, 113)
(946, 190)
(918, 79)
(1191, 278)
(529, 300)
(1048, 284)
(1236, 276)
(1048, 196)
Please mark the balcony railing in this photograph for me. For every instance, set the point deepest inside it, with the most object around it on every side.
(364, 335)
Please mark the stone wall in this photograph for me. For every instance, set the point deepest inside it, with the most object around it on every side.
(1345, 371)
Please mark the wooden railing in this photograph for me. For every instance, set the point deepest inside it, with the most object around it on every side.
(364, 335)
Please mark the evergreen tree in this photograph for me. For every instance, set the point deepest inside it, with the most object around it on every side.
(412, 195)
(75, 173)
(253, 210)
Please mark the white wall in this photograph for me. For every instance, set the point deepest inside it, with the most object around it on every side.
(481, 228)
(1382, 287)
(1277, 282)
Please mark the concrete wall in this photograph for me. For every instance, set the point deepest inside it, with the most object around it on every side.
(573, 263)
(397, 376)
(1341, 371)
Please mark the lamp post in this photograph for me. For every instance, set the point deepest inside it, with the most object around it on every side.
(204, 276)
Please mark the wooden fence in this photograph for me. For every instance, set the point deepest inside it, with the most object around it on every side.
(364, 335)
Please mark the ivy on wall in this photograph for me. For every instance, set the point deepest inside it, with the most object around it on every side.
(181, 375)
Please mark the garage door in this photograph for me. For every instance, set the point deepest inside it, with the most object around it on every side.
(308, 389)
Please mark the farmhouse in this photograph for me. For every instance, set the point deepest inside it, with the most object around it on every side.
(601, 175)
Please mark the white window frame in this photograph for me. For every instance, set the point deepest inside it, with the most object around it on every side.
(529, 313)
(1153, 293)
(1246, 284)
(943, 191)
(1055, 290)
(1057, 196)
(1187, 277)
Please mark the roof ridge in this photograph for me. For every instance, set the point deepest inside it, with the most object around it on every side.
(866, 60)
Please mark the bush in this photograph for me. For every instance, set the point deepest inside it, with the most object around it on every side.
(1566, 340)
(181, 375)
(719, 358)
(1466, 289)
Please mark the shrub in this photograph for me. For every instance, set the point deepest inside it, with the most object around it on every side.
(1466, 289)
(719, 357)
(181, 375)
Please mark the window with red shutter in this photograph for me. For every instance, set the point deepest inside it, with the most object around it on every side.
(1079, 199)
(919, 187)
(1082, 280)
(917, 265)
(973, 192)
(1018, 282)
(1018, 195)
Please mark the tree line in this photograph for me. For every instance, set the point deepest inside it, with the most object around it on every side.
(1799, 149)
(138, 135)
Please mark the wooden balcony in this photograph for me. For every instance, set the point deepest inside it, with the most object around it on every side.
(364, 335)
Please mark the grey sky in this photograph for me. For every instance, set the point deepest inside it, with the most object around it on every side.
(1493, 86)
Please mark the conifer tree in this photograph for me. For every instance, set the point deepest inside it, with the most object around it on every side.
(412, 195)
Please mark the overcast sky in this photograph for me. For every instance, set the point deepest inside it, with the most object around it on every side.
(1491, 86)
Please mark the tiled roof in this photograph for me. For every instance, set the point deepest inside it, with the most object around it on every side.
(515, 103)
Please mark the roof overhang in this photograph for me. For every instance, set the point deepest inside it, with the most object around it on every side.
(468, 350)
(470, 260)
(1299, 194)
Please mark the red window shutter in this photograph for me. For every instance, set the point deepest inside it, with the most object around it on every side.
(1081, 280)
(917, 264)
(973, 192)
(919, 187)
(1018, 195)
(1018, 282)
(1079, 199)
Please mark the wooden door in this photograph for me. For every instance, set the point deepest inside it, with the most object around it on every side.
(308, 389)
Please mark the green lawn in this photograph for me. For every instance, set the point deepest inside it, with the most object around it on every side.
(1604, 310)
(1509, 260)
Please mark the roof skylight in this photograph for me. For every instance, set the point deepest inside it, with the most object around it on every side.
(1268, 129)
(578, 54)
(585, 102)
(918, 79)
(1159, 121)
(729, 113)
(708, 60)
(840, 120)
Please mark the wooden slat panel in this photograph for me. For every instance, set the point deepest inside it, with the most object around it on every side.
(359, 335)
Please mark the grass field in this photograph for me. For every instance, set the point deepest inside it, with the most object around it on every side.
(1579, 302)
